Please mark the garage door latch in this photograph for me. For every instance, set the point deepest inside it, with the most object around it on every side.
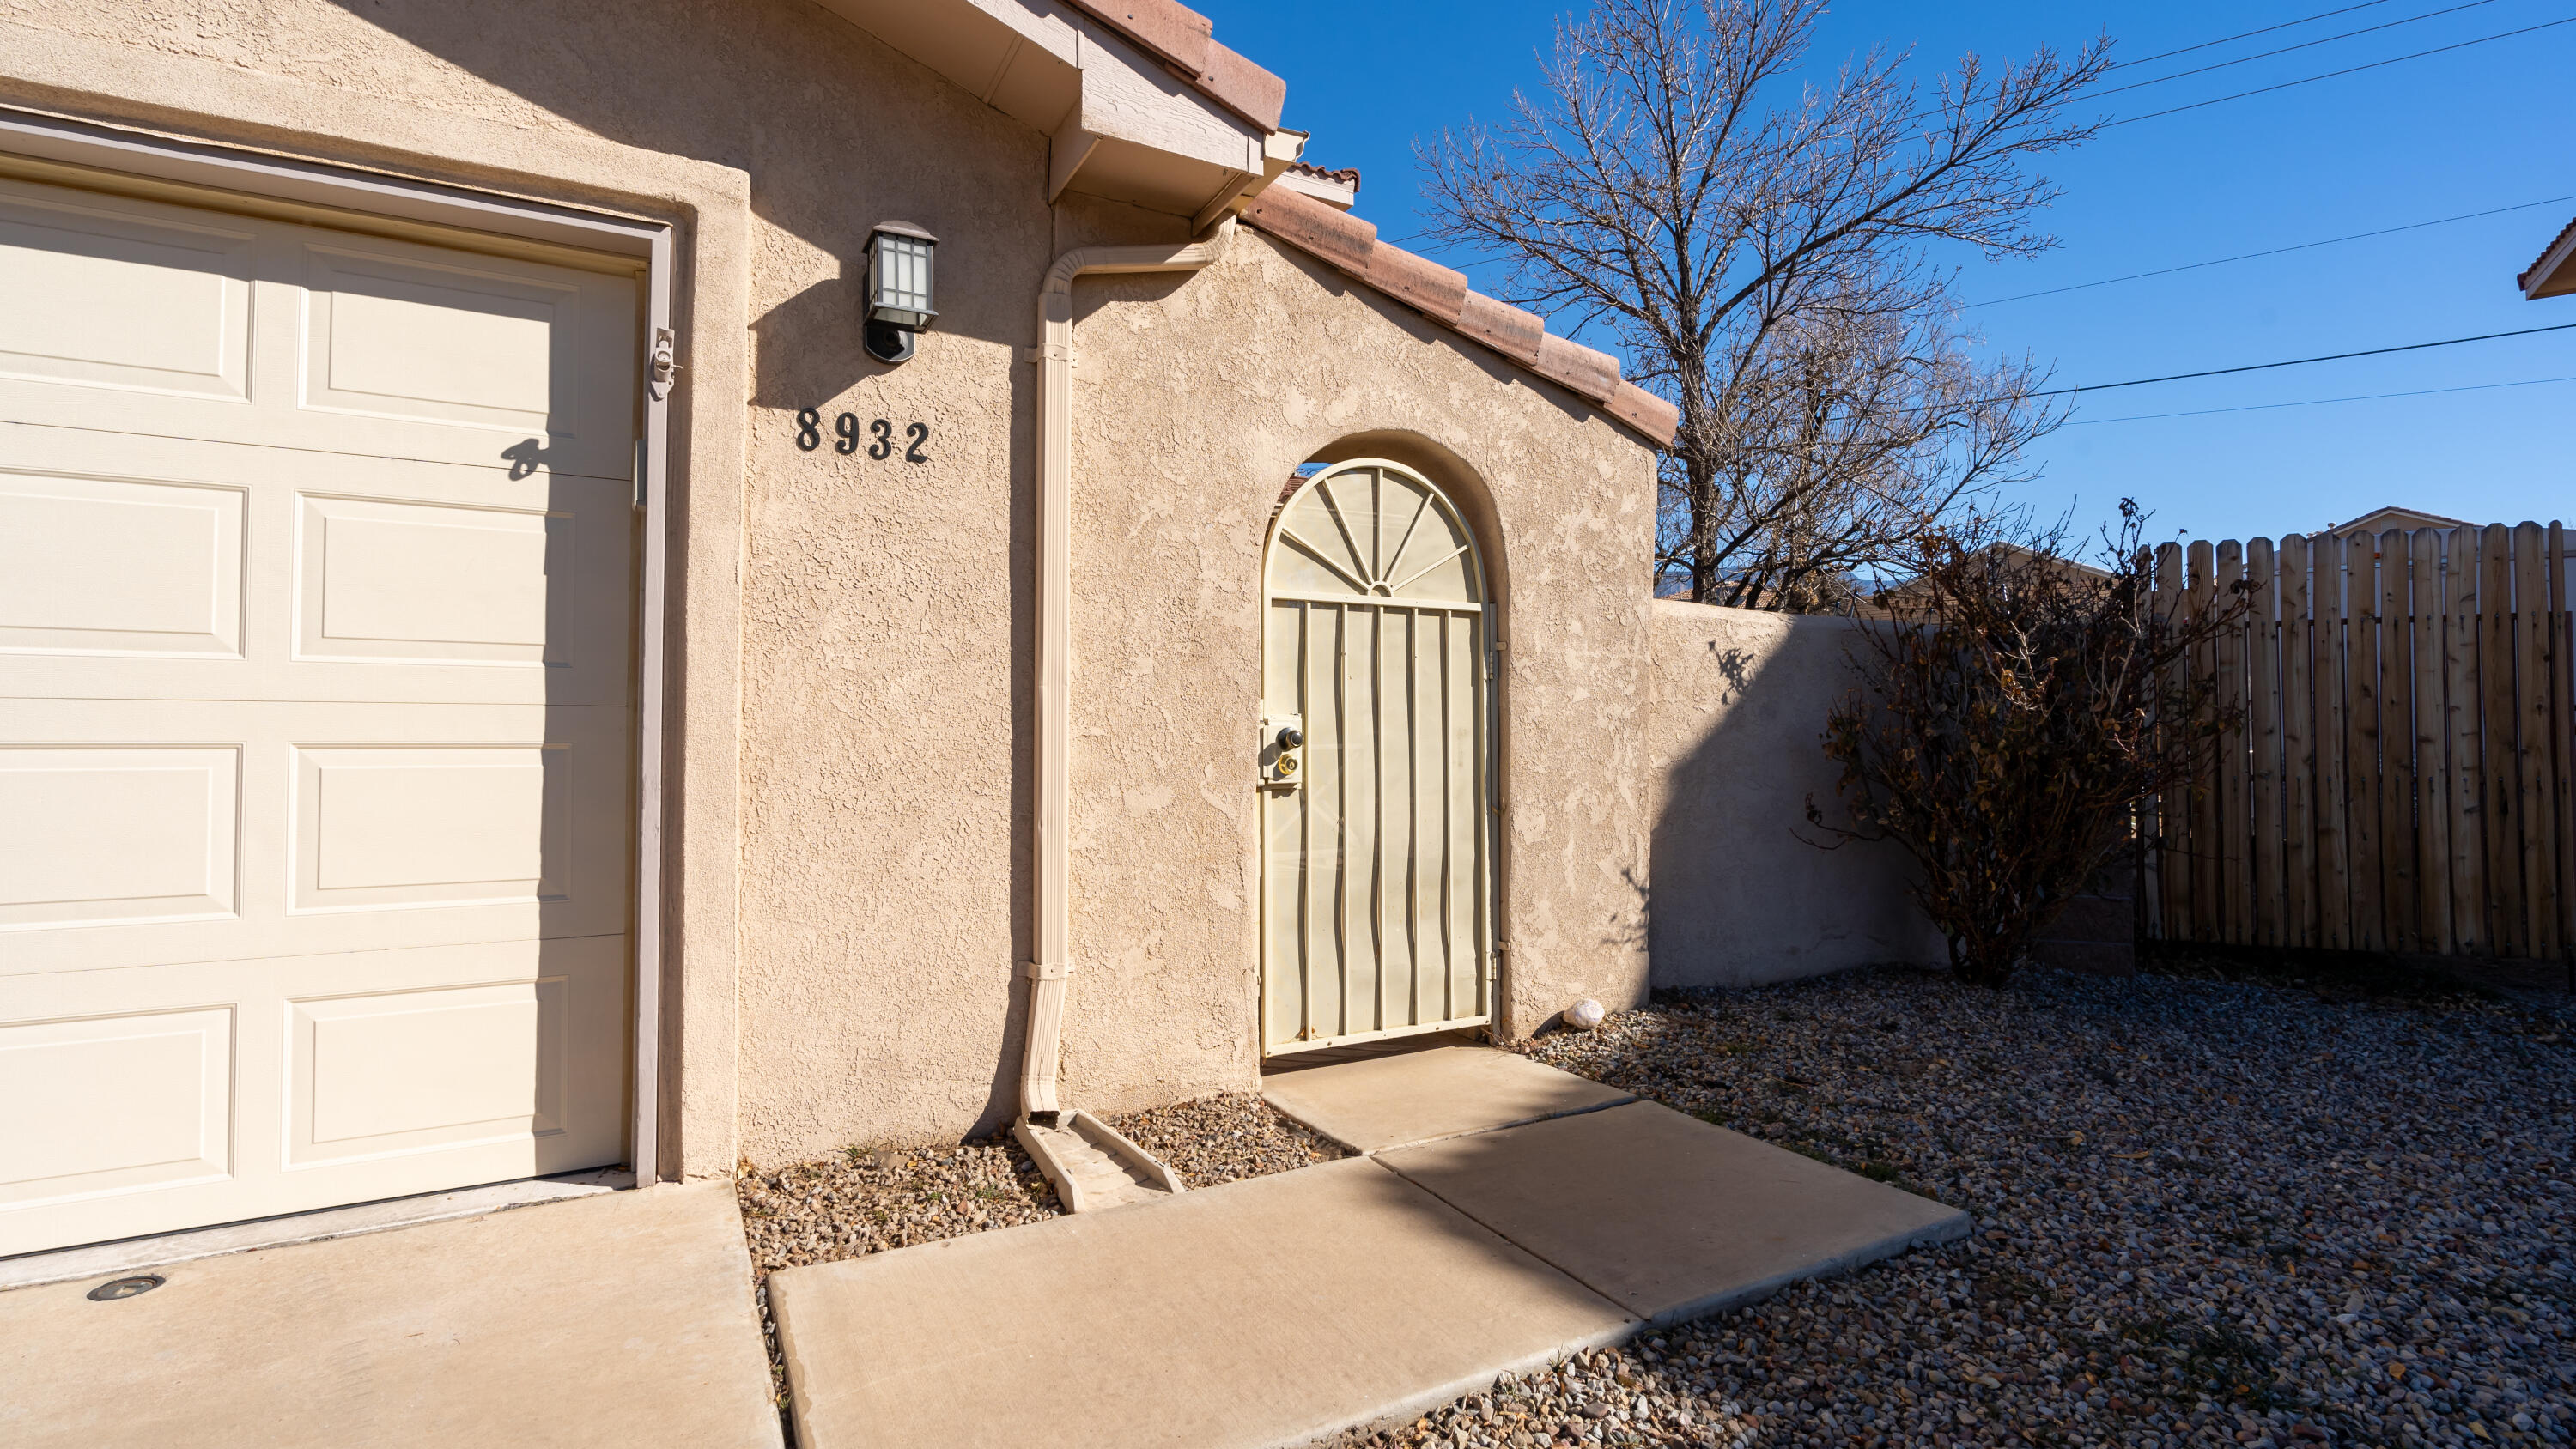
(662, 365)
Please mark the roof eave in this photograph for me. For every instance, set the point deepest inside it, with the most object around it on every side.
(1350, 245)
(2554, 274)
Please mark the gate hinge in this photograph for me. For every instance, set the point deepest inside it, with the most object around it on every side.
(662, 364)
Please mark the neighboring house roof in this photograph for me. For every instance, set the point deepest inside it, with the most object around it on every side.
(2382, 519)
(1350, 245)
(2553, 272)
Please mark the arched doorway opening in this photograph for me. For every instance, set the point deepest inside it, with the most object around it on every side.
(1377, 764)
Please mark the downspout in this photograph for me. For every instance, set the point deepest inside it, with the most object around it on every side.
(1049, 965)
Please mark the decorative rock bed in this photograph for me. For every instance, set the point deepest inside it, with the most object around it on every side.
(868, 1200)
(2208, 1213)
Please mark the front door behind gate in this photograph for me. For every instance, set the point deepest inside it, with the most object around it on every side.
(1377, 765)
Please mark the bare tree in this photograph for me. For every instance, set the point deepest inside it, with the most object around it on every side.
(1761, 254)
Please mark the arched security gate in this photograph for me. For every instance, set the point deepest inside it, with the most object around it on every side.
(1376, 764)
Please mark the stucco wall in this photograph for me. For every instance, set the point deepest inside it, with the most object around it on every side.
(1193, 401)
(853, 668)
(1740, 895)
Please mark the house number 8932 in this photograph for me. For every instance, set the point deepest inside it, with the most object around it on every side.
(846, 435)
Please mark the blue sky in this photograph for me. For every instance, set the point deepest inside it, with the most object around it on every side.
(2475, 129)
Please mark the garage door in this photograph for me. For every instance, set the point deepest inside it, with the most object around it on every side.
(315, 761)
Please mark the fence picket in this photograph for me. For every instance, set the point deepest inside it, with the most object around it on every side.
(2506, 927)
(2559, 591)
(2236, 894)
(2534, 820)
(2361, 739)
(2326, 641)
(2396, 746)
(2432, 817)
(2173, 817)
(2467, 785)
(2298, 744)
(2208, 920)
(2263, 778)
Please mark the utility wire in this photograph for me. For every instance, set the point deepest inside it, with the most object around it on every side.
(2295, 361)
(2246, 34)
(2330, 75)
(2273, 252)
(2285, 50)
(2221, 100)
(2316, 402)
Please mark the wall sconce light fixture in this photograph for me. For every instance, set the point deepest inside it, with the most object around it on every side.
(899, 294)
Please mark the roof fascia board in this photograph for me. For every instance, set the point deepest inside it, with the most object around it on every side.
(2554, 275)
(1131, 98)
(1076, 73)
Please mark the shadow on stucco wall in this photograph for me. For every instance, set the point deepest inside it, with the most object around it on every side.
(1739, 896)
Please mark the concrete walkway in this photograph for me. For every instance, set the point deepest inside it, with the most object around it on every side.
(621, 1319)
(1284, 1309)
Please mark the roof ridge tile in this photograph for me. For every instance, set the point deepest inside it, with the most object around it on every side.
(1441, 294)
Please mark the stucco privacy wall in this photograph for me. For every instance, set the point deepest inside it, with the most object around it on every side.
(1740, 895)
(850, 699)
(1193, 402)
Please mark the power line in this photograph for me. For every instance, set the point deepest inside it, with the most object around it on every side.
(2246, 34)
(2285, 50)
(2273, 252)
(2296, 361)
(2316, 402)
(2330, 75)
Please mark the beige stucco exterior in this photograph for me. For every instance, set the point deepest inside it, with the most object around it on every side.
(1746, 890)
(849, 835)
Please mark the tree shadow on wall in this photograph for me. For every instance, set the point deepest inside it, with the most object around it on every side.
(1738, 895)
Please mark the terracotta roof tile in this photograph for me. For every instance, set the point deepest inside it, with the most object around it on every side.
(1503, 327)
(1348, 176)
(1439, 293)
(1309, 225)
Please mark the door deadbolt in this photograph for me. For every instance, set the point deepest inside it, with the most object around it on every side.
(1283, 751)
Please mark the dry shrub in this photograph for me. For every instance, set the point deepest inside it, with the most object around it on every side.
(2017, 710)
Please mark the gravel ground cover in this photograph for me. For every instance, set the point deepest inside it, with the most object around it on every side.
(2209, 1212)
(870, 1199)
(1223, 1139)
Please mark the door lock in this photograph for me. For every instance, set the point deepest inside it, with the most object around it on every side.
(1283, 751)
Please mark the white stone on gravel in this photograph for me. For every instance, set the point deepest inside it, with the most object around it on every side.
(2209, 1213)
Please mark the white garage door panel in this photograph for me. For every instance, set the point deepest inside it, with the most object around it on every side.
(538, 1084)
(316, 759)
(336, 827)
(487, 587)
(354, 344)
(403, 1071)
(449, 583)
(114, 1104)
(111, 835)
(98, 292)
(432, 825)
(104, 566)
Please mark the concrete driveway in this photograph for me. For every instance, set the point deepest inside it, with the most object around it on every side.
(620, 1319)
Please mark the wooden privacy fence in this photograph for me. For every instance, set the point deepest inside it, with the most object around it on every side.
(2401, 779)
